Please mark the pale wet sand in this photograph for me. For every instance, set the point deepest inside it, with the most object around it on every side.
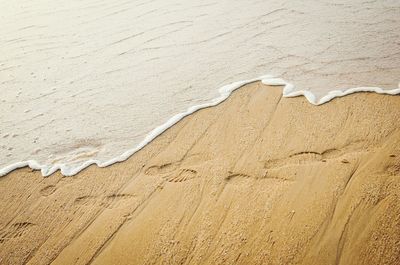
(258, 179)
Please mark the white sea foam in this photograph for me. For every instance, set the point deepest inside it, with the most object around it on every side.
(83, 81)
(224, 93)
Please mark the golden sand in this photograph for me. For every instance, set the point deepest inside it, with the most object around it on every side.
(259, 179)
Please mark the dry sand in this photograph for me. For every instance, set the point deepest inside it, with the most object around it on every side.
(259, 179)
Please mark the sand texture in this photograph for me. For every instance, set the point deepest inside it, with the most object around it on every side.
(258, 179)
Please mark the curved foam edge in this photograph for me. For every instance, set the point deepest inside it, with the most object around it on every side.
(225, 92)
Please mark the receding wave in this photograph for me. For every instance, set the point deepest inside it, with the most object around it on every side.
(81, 82)
(224, 93)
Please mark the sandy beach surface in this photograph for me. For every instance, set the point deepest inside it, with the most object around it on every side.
(258, 179)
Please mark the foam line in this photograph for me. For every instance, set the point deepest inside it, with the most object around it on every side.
(225, 92)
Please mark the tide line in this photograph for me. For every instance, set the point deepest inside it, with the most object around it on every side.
(224, 93)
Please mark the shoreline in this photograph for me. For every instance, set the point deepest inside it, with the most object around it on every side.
(225, 92)
(257, 179)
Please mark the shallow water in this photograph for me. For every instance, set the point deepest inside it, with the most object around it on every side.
(84, 80)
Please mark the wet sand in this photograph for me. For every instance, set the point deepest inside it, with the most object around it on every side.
(258, 179)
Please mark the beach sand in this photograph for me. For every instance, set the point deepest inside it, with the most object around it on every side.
(258, 179)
